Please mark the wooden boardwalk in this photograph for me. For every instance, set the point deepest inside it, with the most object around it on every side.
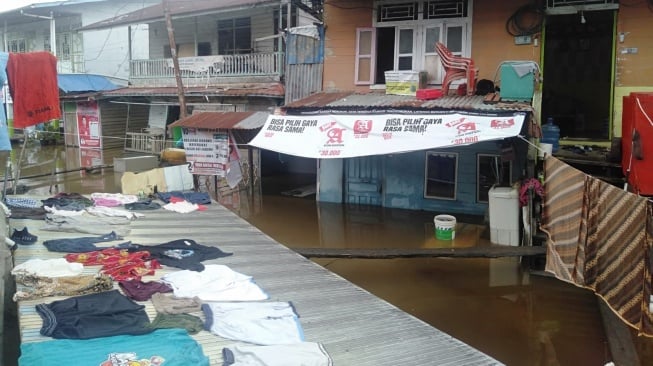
(355, 327)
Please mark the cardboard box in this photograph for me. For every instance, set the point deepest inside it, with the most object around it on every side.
(403, 82)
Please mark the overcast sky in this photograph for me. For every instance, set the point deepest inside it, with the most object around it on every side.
(13, 4)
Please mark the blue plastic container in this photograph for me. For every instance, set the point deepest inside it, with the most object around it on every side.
(551, 134)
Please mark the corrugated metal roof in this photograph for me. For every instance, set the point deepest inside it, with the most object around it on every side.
(70, 83)
(177, 9)
(243, 90)
(224, 120)
(350, 101)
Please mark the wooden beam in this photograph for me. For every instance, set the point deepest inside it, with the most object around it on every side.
(493, 251)
(619, 336)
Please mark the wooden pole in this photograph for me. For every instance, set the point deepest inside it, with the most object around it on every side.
(175, 60)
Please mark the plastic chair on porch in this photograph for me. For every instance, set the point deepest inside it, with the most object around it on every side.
(455, 68)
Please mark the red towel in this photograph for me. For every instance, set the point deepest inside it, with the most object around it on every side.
(33, 85)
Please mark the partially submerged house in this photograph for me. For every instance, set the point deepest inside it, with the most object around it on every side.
(231, 58)
(588, 55)
(85, 62)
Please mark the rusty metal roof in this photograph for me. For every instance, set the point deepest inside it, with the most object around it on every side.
(350, 101)
(224, 120)
(240, 90)
(177, 9)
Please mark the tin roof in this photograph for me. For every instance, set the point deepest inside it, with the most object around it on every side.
(224, 120)
(177, 9)
(354, 102)
(244, 90)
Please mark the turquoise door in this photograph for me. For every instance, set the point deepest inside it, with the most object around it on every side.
(363, 180)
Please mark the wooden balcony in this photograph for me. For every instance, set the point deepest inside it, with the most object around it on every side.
(208, 70)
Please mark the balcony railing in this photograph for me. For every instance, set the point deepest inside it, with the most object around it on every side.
(208, 70)
(146, 142)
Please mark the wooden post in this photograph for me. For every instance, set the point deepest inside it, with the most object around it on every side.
(175, 60)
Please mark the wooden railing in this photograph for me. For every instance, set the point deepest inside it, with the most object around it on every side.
(206, 70)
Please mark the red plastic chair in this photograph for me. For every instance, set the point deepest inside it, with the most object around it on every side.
(455, 68)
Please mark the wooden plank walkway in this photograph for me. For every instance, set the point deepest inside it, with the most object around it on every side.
(356, 327)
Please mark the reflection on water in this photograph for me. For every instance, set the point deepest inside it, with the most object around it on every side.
(494, 305)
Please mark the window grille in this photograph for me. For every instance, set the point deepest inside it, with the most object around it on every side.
(438, 9)
(398, 12)
(559, 3)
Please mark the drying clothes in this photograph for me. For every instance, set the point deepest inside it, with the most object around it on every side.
(147, 182)
(192, 197)
(191, 323)
(215, 283)
(58, 267)
(33, 105)
(87, 224)
(57, 212)
(27, 213)
(163, 347)
(298, 354)
(113, 212)
(143, 291)
(183, 207)
(5, 143)
(264, 323)
(37, 287)
(91, 316)
(146, 204)
(561, 216)
(118, 263)
(68, 201)
(79, 245)
(117, 197)
(613, 237)
(166, 304)
(22, 202)
(180, 253)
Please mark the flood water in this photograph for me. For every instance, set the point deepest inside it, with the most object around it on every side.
(498, 306)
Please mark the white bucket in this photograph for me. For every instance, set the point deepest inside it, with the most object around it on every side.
(445, 227)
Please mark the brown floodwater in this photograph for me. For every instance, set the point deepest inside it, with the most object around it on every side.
(499, 306)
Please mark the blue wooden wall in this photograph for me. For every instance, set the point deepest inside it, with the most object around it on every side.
(403, 181)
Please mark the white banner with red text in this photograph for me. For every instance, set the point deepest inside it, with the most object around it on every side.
(346, 136)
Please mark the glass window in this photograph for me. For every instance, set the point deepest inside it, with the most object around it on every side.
(234, 36)
(490, 170)
(441, 175)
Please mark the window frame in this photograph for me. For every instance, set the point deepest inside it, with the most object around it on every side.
(478, 173)
(420, 26)
(456, 156)
(234, 29)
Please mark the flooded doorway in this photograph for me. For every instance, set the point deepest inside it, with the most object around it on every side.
(577, 71)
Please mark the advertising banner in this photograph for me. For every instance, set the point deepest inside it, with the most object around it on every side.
(346, 136)
(88, 125)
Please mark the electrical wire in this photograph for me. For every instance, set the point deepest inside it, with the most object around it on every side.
(526, 20)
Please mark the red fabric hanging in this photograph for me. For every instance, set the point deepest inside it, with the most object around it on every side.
(34, 89)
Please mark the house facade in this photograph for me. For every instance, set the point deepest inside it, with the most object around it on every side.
(589, 54)
(231, 57)
(86, 62)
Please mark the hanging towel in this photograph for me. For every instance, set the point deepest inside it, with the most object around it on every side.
(34, 89)
(5, 144)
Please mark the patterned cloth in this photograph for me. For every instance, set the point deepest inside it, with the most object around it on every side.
(37, 287)
(561, 216)
(613, 235)
(600, 239)
(23, 202)
(119, 264)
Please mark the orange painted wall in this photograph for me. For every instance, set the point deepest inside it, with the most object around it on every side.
(342, 17)
(636, 21)
(491, 44)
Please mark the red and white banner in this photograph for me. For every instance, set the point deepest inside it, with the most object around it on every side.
(346, 136)
(88, 125)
